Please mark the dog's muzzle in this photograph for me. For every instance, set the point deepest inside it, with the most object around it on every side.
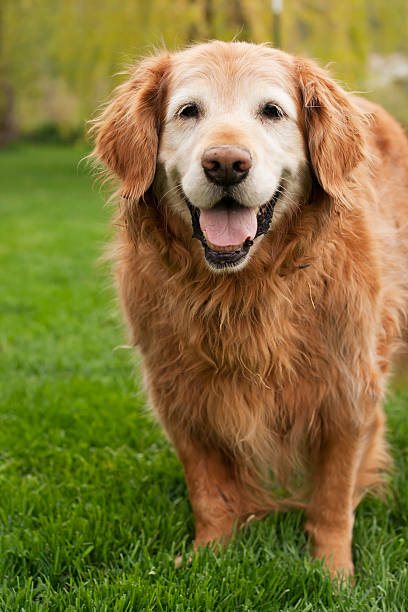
(219, 258)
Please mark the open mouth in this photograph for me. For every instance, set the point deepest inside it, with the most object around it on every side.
(228, 230)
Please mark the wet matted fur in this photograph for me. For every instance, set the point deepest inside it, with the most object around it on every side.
(268, 363)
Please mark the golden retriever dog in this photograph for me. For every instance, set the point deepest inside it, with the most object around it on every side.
(261, 262)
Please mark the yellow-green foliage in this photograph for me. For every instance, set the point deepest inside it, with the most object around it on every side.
(60, 55)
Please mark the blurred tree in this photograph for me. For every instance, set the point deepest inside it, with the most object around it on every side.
(60, 57)
(209, 17)
(277, 9)
(192, 29)
(238, 19)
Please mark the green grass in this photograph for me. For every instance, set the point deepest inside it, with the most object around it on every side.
(93, 505)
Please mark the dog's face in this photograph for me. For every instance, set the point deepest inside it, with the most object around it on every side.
(230, 136)
(231, 149)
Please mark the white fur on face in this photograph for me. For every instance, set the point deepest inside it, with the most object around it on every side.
(230, 106)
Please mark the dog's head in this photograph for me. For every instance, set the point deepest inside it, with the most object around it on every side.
(229, 136)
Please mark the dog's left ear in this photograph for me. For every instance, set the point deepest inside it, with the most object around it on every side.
(334, 127)
(127, 131)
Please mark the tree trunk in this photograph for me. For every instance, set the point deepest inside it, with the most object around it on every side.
(240, 20)
(209, 17)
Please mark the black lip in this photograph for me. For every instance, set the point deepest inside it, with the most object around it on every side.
(225, 259)
(230, 259)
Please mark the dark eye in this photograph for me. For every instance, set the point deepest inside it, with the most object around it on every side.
(189, 111)
(271, 111)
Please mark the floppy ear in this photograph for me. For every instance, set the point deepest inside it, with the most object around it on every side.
(334, 128)
(127, 131)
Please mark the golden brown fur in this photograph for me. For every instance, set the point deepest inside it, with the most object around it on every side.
(276, 366)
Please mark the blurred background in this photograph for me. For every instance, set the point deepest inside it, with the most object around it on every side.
(59, 59)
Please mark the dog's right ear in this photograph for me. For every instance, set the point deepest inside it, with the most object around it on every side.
(127, 131)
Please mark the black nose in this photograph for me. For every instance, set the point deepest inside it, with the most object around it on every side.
(226, 165)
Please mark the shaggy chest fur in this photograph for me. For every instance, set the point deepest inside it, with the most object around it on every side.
(241, 357)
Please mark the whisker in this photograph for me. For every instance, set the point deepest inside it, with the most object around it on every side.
(175, 188)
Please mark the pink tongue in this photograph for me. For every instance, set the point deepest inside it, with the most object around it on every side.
(225, 226)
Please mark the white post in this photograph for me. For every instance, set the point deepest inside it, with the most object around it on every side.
(277, 9)
(277, 6)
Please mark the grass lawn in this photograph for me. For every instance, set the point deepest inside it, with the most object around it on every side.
(93, 505)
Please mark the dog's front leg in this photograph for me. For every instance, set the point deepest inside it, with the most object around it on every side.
(216, 498)
(330, 513)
